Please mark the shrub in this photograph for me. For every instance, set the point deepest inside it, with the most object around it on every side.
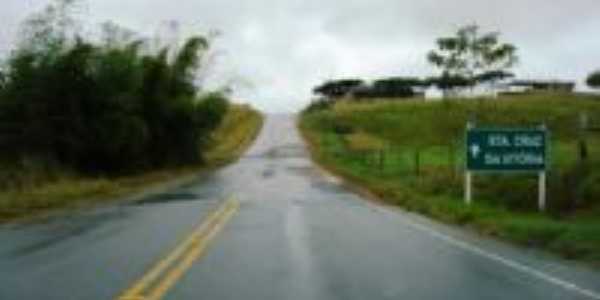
(593, 80)
(103, 108)
(318, 106)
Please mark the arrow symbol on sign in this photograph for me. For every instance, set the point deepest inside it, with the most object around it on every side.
(475, 150)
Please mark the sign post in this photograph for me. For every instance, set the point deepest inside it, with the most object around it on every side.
(506, 150)
(468, 176)
(468, 186)
(542, 191)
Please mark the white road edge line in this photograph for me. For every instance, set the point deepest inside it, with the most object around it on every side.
(505, 261)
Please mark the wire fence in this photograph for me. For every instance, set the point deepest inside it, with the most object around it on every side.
(574, 164)
(397, 160)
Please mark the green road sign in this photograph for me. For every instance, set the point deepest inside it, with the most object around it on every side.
(506, 150)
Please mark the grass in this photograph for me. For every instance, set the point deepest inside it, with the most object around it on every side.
(239, 128)
(410, 153)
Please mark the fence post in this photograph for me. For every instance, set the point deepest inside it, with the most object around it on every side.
(468, 186)
(581, 168)
(452, 160)
(542, 191)
(581, 130)
(381, 159)
(417, 162)
(468, 173)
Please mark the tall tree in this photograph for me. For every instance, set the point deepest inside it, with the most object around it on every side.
(103, 107)
(474, 56)
(186, 64)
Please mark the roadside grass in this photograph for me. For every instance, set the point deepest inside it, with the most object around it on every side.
(240, 128)
(411, 154)
(237, 131)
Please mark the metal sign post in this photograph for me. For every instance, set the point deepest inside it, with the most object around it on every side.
(468, 174)
(507, 150)
(542, 191)
(468, 186)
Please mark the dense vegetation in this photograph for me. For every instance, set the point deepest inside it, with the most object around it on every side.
(412, 154)
(337, 88)
(105, 106)
(235, 133)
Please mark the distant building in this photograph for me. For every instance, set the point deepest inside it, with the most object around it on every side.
(484, 90)
(433, 93)
(489, 90)
(540, 85)
(401, 88)
(515, 89)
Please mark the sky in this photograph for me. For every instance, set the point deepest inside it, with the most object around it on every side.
(273, 52)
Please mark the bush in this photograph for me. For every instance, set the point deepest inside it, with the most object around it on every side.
(317, 106)
(103, 108)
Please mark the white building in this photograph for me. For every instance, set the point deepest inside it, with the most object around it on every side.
(482, 90)
(433, 93)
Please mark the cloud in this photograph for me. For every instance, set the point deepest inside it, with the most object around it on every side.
(277, 50)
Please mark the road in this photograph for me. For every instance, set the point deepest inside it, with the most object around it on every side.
(271, 226)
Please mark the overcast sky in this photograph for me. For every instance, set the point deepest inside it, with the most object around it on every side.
(277, 50)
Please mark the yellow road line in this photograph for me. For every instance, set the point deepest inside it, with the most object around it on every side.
(198, 248)
(189, 250)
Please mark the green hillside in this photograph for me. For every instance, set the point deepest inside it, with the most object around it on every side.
(412, 154)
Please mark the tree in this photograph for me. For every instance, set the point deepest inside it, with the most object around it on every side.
(50, 30)
(449, 81)
(473, 56)
(2, 81)
(113, 35)
(593, 80)
(337, 88)
(103, 107)
(395, 87)
(186, 64)
(495, 75)
(392, 87)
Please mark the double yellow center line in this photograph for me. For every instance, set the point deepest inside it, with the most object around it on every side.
(162, 276)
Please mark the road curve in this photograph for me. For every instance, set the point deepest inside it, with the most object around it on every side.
(292, 233)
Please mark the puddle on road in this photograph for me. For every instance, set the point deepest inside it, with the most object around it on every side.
(328, 187)
(56, 232)
(303, 170)
(285, 151)
(268, 173)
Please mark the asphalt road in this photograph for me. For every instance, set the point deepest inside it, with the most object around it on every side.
(296, 234)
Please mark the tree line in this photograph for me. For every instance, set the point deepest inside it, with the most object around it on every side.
(393, 87)
(382, 88)
(105, 106)
(465, 59)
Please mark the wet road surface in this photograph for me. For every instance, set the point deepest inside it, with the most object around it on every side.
(297, 234)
